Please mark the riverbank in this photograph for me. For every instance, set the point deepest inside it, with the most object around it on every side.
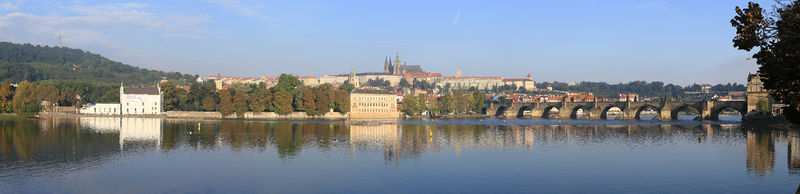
(768, 123)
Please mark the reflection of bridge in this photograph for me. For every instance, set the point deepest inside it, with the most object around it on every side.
(709, 110)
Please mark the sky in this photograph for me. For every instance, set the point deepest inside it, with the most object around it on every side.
(681, 42)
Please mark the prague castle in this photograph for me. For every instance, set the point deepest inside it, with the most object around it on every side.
(398, 67)
(395, 70)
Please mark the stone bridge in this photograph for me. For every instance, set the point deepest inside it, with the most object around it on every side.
(667, 110)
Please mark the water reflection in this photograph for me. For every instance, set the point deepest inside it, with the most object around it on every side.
(56, 144)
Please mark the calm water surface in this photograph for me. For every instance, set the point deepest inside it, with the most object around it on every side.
(149, 155)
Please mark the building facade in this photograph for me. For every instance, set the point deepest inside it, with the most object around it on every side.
(465, 83)
(373, 104)
(101, 109)
(756, 92)
(521, 83)
(140, 100)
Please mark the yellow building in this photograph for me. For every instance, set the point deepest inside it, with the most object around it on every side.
(373, 104)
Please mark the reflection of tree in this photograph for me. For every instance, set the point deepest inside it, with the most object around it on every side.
(288, 139)
(760, 152)
(63, 140)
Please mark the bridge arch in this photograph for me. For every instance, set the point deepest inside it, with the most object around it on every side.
(640, 109)
(546, 112)
(573, 114)
(678, 108)
(740, 107)
(521, 111)
(501, 111)
(604, 112)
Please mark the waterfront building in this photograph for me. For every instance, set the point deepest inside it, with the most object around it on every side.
(373, 104)
(756, 92)
(101, 109)
(140, 100)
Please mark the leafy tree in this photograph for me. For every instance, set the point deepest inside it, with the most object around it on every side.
(299, 102)
(309, 98)
(226, 106)
(6, 94)
(324, 99)
(404, 83)
(433, 104)
(763, 106)
(195, 96)
(478, 101)
(259, 99)
(412, 105)
(170, 96)
(210, 103)
(240, 98)
(448, 102)
(342, 101)
(347, 87)
(777, 37)
(111, 96)
(282, 102)
(287, 83)
(25, 101)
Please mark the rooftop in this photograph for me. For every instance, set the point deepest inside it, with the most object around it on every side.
(149, 90)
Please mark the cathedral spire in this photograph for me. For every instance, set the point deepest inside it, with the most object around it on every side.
(386, 65)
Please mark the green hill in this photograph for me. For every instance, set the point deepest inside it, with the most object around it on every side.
(20, 62)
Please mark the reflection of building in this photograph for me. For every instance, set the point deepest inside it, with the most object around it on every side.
(131, 129)
(373, 104)
(793, 137)
(375, 135)
(760, 152)
(140, 100)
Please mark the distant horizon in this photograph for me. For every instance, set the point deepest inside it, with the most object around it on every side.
(678, 42)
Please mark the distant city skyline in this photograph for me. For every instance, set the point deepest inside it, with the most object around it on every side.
(680, 42)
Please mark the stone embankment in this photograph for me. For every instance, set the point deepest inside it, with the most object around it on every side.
(255, 115)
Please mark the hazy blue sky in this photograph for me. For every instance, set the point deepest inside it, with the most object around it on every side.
(567, 40)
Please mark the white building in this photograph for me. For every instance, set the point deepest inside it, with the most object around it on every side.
(140, 100)
(101, 109)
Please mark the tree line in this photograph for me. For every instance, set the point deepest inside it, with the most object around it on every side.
(26, 98)
(288, 96)
(459, 103)
(26, 62)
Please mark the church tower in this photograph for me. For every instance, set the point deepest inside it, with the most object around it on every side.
(397, 64)
(458, 72)
(353, 78)
(386, 65)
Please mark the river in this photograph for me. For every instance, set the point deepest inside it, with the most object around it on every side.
(153, 155)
